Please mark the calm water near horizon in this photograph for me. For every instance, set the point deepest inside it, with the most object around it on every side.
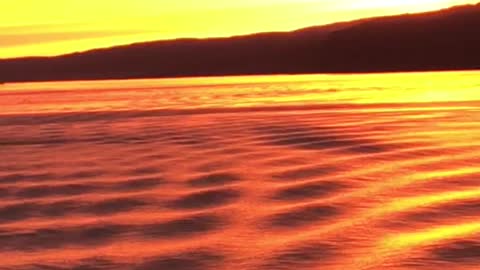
(241, 91)
(331, 172)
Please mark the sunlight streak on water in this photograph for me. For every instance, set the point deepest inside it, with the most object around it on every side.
(409, 240)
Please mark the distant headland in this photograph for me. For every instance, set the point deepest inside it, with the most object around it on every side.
(448, 39)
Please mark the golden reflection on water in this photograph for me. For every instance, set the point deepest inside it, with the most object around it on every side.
(410, 240)
(267, 172)
(231, 92)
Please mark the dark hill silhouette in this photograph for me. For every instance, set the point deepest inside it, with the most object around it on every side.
(443, 40)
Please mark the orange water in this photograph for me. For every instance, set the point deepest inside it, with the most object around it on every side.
(275, 172)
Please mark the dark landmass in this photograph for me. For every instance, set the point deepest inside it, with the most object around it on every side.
(442, 40)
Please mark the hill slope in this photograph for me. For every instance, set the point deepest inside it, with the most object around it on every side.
(442, 40)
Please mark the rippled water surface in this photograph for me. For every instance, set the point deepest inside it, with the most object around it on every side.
(267, 172)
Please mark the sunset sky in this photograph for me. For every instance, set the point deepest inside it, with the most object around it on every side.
(52, 27)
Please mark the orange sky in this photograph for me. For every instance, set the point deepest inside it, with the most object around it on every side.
(52, 27)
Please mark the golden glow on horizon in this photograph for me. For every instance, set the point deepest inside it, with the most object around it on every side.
(297, 90)
(52, 27)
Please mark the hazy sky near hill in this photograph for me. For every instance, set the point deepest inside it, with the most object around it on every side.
(52, 27)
